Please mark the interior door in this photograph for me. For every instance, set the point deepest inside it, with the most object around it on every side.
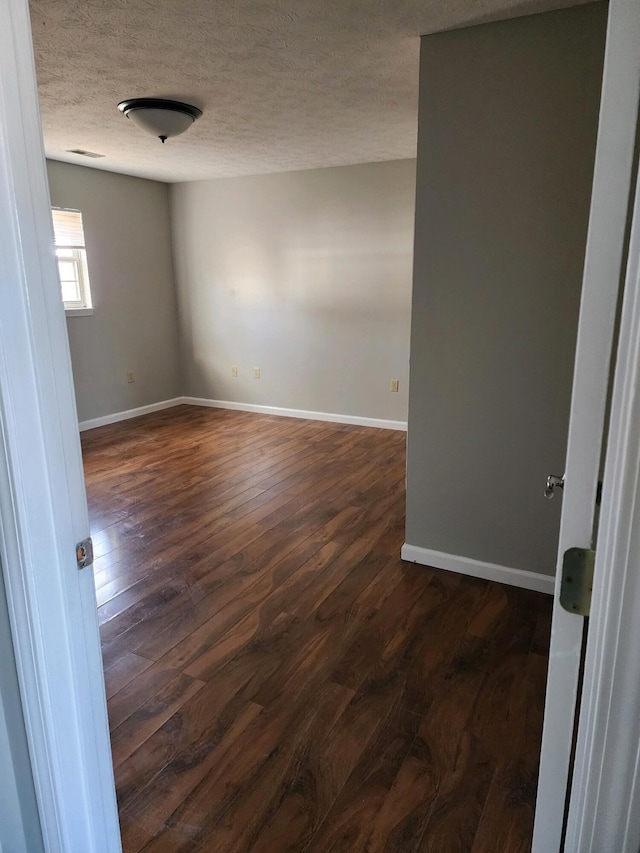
(43, 510)
(605, 257)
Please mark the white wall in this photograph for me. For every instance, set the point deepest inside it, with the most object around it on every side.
(306, 275)
(507, 131)
(134, 326)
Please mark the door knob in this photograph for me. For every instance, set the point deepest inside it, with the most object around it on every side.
(553, 482)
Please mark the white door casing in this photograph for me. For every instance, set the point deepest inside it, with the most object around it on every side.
(604, 811)
(43, 509)
(603, 265)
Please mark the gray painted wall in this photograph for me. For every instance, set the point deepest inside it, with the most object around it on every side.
(19, 819)
(306, 275)
(134, 327)
(507, 130)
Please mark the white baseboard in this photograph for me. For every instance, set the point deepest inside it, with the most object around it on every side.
(356, 420)
(242, 407)
(478, 569)
(129, 413)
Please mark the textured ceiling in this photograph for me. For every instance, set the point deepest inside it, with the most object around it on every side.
(284, 84)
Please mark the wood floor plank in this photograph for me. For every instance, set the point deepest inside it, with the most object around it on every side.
(399, 823)
(454, 817)
(237, 823)
(347, 825)
(162, 772)
(123, 671)
(169, 791)
(277, 678)
(158, 707)
(265, 588)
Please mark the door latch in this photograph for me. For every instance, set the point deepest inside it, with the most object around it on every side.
(553, 482)
(577, 580)
(84, 553)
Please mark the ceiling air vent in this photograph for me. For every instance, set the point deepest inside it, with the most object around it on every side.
(84, 153)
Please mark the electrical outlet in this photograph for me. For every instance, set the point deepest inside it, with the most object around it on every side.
(131, 377)
(256, 373)
(234, 372)
(394, 384)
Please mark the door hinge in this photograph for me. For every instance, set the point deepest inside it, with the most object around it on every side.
(84, 553)
(577, 580)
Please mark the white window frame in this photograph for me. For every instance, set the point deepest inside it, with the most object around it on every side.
(84, 306)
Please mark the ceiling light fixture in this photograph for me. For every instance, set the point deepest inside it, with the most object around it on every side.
(159, 116)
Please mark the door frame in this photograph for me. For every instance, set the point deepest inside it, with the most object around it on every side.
(604, 806)
(43, 515)
(611, 200)
(43, 510)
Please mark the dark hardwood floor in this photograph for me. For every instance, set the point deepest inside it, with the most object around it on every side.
(277, 678)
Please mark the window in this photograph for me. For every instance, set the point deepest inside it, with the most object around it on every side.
(72, 260)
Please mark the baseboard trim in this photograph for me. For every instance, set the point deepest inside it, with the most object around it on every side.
(330, 417)
(478, 569)
(130, 413)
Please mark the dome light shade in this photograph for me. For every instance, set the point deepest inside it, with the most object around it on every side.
(160, 117)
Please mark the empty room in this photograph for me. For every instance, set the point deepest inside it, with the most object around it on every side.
(315, 287)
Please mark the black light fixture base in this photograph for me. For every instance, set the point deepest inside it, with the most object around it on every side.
(159, 104)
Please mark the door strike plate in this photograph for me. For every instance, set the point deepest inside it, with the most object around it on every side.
(577, 580)
(84, 553)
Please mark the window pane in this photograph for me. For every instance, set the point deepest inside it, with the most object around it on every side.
(68, 271)
(70, 291)
(65, 253)
(69, 281)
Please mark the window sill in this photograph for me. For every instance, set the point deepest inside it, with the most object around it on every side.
(78, 312)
